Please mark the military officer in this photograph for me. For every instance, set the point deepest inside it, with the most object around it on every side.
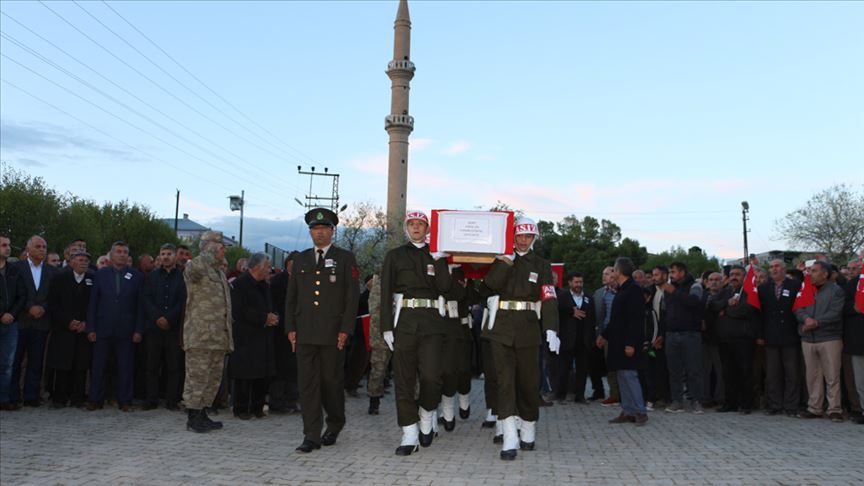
(380, 356)
(457, 352)
(206, 330)
(526, 294)
(414, 327)
(320, 310)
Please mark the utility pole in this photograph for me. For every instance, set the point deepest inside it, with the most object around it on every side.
(238, 203)
(176, 211)
(745, 208)
(316, 201)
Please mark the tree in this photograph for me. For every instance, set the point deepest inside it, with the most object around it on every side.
(832, 221)
(695, 258)
(363, 231)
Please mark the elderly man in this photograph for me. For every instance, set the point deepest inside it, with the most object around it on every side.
(253, 361)
(12, 299)
(113, 324)
(624, 337)
(162, 311)
(527, 304)
(320, 310)
(821, 331)
(414, 330)
(69, 352)
(603, 306)
(853, 330)
(33, 322)
(206, 330)
(779, 334)
(711, 364)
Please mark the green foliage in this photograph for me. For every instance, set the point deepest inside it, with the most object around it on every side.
(28, 207)
(363, 231)
(695, 259)
(232, 254)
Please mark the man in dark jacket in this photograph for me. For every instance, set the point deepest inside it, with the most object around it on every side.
(163, 301)
(853, 330)
(624, 337)
(282, 391)
(69, 351)
(576, 330)
(13, 296)
(737, 329)
(33, 322)
(253, 362)
(320, 312)
(657, 372)
(113, 323)
(779, 333)
(821, 331)
(683, 338)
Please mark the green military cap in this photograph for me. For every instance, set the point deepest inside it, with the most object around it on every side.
(323, 216)
(212, 236)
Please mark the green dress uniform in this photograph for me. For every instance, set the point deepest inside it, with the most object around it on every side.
(411, 271)
(457, 350)
(323, 292)
(515, 337)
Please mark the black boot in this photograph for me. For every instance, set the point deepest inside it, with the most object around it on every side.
(210, 422)
(464, 414)
(374, 402)
(194, 422)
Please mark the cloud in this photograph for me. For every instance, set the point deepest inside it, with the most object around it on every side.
(43, 138)
(373, 164)
(419, 144)
(457, 148)
(30, 162)
(291, 234)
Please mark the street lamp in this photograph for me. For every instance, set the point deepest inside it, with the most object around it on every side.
(237, 203)
(745, 208)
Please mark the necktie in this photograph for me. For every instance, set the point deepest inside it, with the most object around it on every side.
(320, 257)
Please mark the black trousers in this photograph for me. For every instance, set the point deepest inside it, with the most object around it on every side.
(164, 360)
(456, 366)
(657, 377)
(596, 371)
(357, 359)
(69, 386)
(781, 378)
(417, 357)
(321, 378)
(518, 381)
(249, 395)
(575, 361)
(736, 358)
(490, 377)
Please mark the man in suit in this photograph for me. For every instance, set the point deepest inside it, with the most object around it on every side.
(576, 321)
(282, 394)
(33, 322)
(779, 335)
(69, 351)
(320, 310)
(603, 306)
(13, 296)
(113, 324)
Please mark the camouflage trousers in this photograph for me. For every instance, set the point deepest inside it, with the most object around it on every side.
(378, 361)
(203, 374)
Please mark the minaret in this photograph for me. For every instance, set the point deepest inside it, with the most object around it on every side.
(399, 123)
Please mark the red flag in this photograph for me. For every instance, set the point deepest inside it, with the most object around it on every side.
(750, 288)
(366, 319)
(806, 296)
(859, 293)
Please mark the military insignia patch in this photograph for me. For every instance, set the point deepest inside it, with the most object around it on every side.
(548, 292)
(320, 216)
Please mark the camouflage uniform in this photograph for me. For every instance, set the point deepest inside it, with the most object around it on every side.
(206, 329)
(380, 352)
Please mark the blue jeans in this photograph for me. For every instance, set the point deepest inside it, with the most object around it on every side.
(630, 392)
(32, 343)
(8, 344)
(684, 360)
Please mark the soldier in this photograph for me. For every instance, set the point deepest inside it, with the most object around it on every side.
(414, 331)
(457, 352)
(320, 310)
(380, 356)
(526, 294)
(206, 330)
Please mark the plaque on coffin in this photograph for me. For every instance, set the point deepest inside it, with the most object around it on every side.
(471, 236)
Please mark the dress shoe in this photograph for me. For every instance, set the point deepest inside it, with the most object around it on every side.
(33, 403)
(727, 408)
(622, 419)
(859, 420)
(426, 439)
(10, 406)
(374, 404)
(173, 406)
(526, 446)
(640, 419)
(352, 393)
(544, 403)
(464, 414)
(259, 414)
(57, 405)
(329, 438)
(243, 415)
(449, 426)
(807, 414)
(488, 424)
(771, 412)
(610, 402)
(125, 407)
(150, 406)
(308, 446)
(498, 439)
(407, 450)
(91, 406)
(836, 417)
(508, 455)
(744, 411)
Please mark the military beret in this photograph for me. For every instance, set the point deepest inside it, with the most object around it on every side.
(212, 236)
(318, 216)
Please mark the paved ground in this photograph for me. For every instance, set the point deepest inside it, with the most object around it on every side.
(575, 446)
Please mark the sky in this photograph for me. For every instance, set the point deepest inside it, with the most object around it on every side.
(661, 117)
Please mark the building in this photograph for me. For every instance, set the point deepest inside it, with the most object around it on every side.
(188, 230)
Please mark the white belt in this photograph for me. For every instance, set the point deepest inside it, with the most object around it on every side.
(420, 303)
(516, 305)
(465, 321)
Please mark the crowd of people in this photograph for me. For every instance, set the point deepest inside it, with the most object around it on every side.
(187, 333)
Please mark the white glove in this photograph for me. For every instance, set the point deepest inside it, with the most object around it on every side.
(554, 342)
(439, 255)
(388, 338)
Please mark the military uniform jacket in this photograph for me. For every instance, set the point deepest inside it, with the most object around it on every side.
(322, 299)
(207, 323)
(527, 279)
(412, 272)
(69, 300)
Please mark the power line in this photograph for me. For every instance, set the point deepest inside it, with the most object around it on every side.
(196, 78)
(60, 68)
